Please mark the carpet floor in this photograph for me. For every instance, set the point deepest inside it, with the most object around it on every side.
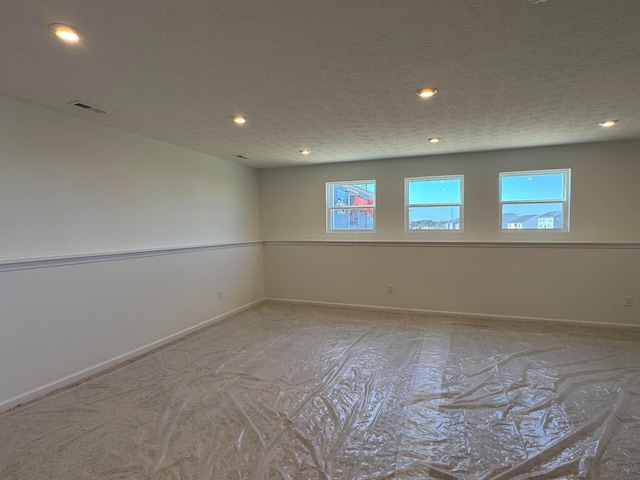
(286, 391)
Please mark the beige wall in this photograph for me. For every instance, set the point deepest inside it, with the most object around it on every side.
(78, 191)
(73, 194)
(59, 324)
(605, 200)
(556, 283)
(69, 186)
(479, 271)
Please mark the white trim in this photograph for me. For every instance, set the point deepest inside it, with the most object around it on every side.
(450, 314)
(104, 367)
(26, 263)
(457, 244)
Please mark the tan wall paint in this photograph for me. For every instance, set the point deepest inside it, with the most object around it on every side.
(578, 284)
(605, 200)
(539, 281)
(68, 186)
(61, 323)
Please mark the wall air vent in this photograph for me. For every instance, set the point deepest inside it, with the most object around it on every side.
(86, 106)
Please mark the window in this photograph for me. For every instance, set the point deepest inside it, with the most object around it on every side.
(351, 205)
(536, 200)
(433, 203)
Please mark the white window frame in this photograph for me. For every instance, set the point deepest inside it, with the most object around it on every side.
(330, 208)
(408, 205)
(565, 201)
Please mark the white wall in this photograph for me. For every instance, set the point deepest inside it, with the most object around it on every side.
(81, 192)
(478, 271)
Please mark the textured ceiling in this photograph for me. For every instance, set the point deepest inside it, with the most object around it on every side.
(338, 77)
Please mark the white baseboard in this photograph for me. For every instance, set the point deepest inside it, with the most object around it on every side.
(102, 367)
(451, 314)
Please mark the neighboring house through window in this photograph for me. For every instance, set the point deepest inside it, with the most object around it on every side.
(351, 205)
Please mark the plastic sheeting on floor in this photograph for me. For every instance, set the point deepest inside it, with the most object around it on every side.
(298, 392)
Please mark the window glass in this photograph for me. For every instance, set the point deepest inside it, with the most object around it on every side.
(351, 205)
(535, 200)
(433, 203)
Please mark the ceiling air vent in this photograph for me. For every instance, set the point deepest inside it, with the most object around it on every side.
(86, 106)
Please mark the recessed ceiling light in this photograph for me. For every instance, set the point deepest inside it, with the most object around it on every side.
(240, 120)
(66, 33)
(434, 139)
(608, 123)
(427, 92)
(305, 151)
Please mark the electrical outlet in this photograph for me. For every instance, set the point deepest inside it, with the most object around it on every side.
(628, 301)
(219, 294)
(390, 288)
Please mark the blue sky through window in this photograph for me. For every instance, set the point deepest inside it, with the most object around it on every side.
(434, 200)
(434, 191)
(532, 187)
(433, 213)
(369, 187)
